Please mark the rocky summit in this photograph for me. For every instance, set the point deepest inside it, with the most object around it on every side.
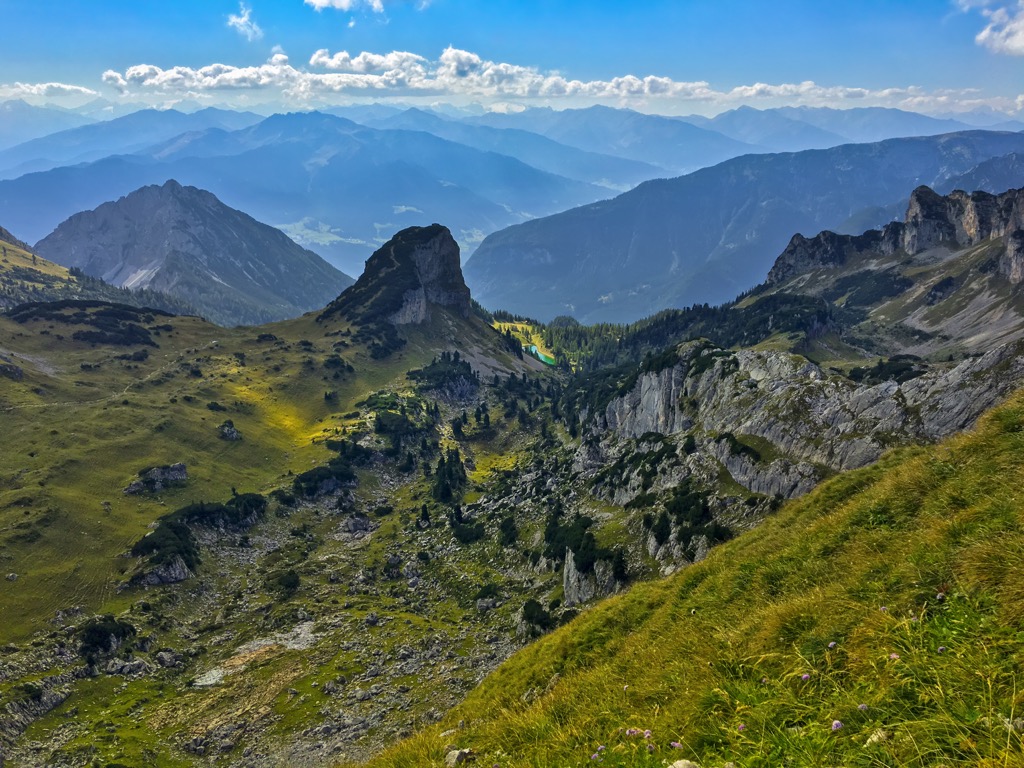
(956, 221)
(185, 242)
(418, 267)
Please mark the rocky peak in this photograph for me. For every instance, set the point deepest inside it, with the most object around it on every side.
(418, 267)
(185, 242)
(957, 220)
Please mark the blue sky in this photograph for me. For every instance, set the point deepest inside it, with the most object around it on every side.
(672, 56)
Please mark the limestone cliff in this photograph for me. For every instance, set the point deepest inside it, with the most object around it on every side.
(778, 423)
(417, 268)
(956, 220)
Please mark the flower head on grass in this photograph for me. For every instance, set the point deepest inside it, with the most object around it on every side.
(862, 707)
(836, 725)
(894, 656)
(832, 645)
(741, 728)
(805, 676)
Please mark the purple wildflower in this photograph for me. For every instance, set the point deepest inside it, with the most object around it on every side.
(943, 649)
(594, 756)
(805, 676)
(832, 645)
(894, 656)
(836, 725)
(650, 747)
(862, 707)
(675, 745)
(647, 734)
(601, 748)
(884, 609)
(741, 728)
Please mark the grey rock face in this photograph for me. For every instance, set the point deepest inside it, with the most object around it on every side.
(171, 572)
(810, 420)
(419, 267)
(155, 479)
(958, 219)
(580, 587)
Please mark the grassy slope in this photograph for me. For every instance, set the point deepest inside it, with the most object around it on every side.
(911, 567)
(74, 438)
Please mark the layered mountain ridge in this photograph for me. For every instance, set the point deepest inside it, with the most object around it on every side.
(958, 220)
(710, 235)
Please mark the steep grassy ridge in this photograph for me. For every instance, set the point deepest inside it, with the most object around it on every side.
(879, 621)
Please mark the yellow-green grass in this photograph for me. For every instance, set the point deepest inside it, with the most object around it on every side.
(912, 568)
(14, 257)
(74, 438)
(527, 334)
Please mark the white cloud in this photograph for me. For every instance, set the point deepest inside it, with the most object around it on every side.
(1004, 28)
(368, 62)
(459, 74)
(244, 24)
(346, 5)
(45, 90)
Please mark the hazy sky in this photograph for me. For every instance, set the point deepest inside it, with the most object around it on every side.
(673, 56)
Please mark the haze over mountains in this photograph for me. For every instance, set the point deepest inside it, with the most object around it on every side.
(184, 242)
(707, 236)
(337, 186)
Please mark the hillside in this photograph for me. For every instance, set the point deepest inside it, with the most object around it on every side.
(707, 236)
(874, 622)
(27, 277)
(311, 538)
(184, 242)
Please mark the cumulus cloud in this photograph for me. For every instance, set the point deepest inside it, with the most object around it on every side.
(45, 90)
(243, 23)
(463, 74)
(347, 5)
(1004, 28)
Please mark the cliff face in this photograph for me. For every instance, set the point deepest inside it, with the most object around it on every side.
(417, 268)
(956, 220)
(797, 422)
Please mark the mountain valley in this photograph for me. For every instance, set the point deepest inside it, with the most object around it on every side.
(309, 539)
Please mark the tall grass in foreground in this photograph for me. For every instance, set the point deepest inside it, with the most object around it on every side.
(879, 621)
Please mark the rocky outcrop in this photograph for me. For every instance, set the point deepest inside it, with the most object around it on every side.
(228, 431)
(806, 421)
(956, 220)
(418, 268)
(155, 479)
(170, 572)
(11, 371)
(583, 587)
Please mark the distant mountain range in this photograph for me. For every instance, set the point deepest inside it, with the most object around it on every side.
(671, 144)
(337, 183)
(331, 184)
(122, 135)
(712, 234)
(184, 242)
(21, 122)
